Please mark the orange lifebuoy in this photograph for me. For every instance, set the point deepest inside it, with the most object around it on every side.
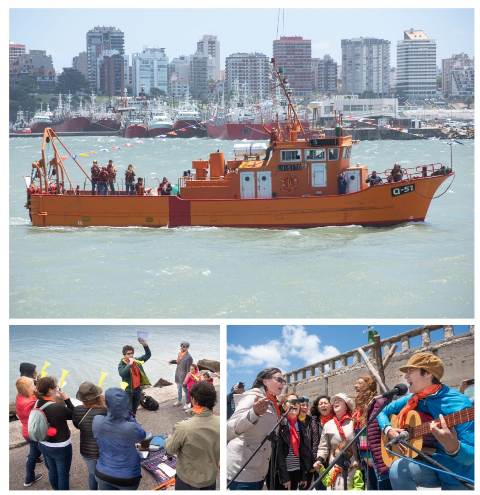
(289, 183)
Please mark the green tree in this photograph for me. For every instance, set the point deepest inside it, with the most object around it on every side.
(157, 93)
(72, 81)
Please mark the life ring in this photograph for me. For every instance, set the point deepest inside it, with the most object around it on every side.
(289, 183)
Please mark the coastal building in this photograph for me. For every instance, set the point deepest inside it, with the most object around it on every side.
(324, 75)
(15, 51)
(293, 55)
(179, 77)
(458, 74)
(249, 74)
(80, 63)
(99, 40)
(366, 66)
(150, 70)
(111, 69)
(416, 66)
(210, 46)
(201, 67)
(35, 63)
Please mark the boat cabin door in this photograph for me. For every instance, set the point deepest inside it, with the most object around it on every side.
(264, 184)
(247, 185)
(353, 177)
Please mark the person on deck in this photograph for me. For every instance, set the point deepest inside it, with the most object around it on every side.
(102, 181)
(184, 361)
(95, 175)
(341, 183)
(130, 179)
(112, 176)
(131, 371)
(139, 187)
(374, 179)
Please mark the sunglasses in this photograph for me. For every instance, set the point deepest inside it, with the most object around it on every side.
(279, 379)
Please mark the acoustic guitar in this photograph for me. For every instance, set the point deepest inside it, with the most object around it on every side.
(418, 427)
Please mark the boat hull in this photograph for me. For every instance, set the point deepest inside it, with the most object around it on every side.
(104, 125)
(136, 131)
(374, 206)
(189, 128)
(159, 131)
(252, 131)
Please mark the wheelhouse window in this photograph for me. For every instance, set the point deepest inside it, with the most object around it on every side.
(315, 154)
(347, 151)
(290, 155)
(333, 153)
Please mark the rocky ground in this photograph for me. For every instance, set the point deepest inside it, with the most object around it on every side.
(158, 422)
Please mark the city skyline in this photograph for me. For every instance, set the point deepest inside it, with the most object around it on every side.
(451, 28)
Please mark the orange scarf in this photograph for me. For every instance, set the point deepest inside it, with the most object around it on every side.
(135, 373)
(181, 355)
(339, 423)
(413, 402)
(325, 419)
(294, 438)
(198, 409)
(273, 399)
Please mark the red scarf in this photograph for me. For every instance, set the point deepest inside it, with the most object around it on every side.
(294, 439)
(357, 418)
(413, 402)
(325, 419)
(339, 423)
(273, 399)
(135, 371)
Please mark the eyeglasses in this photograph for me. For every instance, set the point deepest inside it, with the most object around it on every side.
(279, 379)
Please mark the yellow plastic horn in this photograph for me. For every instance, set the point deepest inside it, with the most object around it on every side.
(101, 380)
(123, 385)
(43, 371)
(62, 382)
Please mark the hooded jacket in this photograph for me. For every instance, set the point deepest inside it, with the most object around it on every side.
(116, 435)
(124, 370)
(245, 431)
(445, 401)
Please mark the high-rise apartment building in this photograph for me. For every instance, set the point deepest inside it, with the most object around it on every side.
(458, 74)
(80, 63)
(210, 46)
(111, 68)
(324, 75)
(247, 74)
(100, 39)
(15, 50)
(179, 77)
(366, 66)
(416, 66)
(201, 67)
(294, 55)
(150, 70)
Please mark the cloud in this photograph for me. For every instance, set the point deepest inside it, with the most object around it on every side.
(295, 342)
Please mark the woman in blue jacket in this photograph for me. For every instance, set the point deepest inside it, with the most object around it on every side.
(118, 465)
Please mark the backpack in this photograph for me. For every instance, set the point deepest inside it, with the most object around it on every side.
(38, 423)
(148, 403)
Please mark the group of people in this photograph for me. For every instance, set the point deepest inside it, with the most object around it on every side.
(109, 430)
(293, 444)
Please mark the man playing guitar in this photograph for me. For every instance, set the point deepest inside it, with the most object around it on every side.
(454, 447)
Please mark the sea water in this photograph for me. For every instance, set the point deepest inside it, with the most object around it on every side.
(414, 270)
(87, 351)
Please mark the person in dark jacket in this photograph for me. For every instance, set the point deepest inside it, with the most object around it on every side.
(341, 183)
(29, 370)
(57, 447)
(237, 389)
(82, 418)
(131, 371)
(184, 361)
(118, 464)
(321, 412)
(293, 451)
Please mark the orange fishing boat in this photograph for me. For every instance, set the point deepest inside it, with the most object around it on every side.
(292, 182)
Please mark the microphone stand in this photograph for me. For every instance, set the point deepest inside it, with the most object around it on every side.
(349, 444)
(268, 436)
(432, 461)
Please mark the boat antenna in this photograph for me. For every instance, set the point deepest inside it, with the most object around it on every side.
(292, 116)
(451, 143)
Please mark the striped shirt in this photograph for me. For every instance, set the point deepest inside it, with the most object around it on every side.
(293, 461)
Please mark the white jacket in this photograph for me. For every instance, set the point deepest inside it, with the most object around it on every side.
(245, 431)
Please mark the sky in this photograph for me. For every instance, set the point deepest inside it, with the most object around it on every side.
(239, 30)
(253, 348)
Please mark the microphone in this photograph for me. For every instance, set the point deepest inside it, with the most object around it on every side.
(402, 436)
(400, 389)
(300, 400)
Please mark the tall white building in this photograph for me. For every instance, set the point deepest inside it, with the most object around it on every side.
(416, 66)
(247, 73)
(179, 77)
(149, 70)
(210, 46)
(366, 66)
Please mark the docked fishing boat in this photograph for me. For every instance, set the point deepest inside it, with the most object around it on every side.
(293, 181)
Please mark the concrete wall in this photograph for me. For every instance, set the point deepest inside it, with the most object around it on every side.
(456, 352)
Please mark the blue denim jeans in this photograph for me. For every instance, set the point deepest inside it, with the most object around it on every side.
(33, 454)
(135, 396)
(247, 485)
(105, 485)
(130, 188)
(58, 461)
(406, 475)
(181, 389)
(91, 465)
